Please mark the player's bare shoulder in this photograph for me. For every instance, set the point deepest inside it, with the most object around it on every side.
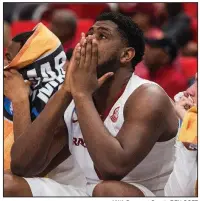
(151, 102)
(150, 95)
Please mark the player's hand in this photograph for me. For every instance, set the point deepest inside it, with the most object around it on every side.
(181, 106)
(73, 64)
(15, 88)
(84, 80)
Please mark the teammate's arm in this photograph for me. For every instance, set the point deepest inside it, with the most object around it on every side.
(46, 137)
(145, 120)
(18, 92)
(43, 139)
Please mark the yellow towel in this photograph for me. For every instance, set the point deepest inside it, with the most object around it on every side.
(188, 131)
(43, 43)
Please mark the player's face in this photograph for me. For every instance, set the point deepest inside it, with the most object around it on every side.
(109, 45)
(12, 51)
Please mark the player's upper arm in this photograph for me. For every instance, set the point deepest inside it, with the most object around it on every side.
(144, 122)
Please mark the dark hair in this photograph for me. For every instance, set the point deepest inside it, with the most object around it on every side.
(22, 37)
(129, 31)
(174, 9)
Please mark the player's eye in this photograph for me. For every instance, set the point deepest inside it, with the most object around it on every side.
(102, 36)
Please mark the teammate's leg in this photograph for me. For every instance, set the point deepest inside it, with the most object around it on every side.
(15, 186)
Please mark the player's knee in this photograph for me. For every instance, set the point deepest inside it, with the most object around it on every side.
(10, 185)
(99, 190)
(116, 188)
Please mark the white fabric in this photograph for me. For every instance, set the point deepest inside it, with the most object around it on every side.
(41, 187)
(68, 173)
(67, 179)
(49, 187)
(152, 172)
(183, 178)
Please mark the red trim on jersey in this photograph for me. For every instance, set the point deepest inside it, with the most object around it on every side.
(107, 111)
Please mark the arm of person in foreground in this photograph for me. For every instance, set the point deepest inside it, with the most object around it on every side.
(19, 96)
(43, 139)
(37, 143)
(141, 130)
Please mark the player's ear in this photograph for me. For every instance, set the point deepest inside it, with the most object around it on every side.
(127, 55)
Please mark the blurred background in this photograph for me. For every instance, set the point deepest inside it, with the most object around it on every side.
(170, 30)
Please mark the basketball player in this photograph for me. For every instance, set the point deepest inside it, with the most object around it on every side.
(125, 130)
(22, 116)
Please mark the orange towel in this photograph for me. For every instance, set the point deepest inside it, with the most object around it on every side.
(47, 43)
(8, 141)
(188, 131)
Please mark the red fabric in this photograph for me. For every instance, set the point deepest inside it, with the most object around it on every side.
(146, 8)
(194, 27)
(167, 77)
(188, 66)
(107, 111)
(190, 9)
(127, 7)
(23, 26)
(68, 45)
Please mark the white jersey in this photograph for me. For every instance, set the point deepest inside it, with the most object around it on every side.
(152, 172)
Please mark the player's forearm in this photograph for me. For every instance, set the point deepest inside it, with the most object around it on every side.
(21, 116)
(32, 147)
(99, 142)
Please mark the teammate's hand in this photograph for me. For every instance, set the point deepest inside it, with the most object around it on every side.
(181, 106)
(15, 88)
(84, 80)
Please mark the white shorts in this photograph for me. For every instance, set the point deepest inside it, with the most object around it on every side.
(67, 179)
(49, 187)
